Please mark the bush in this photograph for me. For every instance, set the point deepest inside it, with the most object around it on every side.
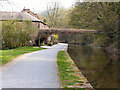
(43, 44)
(101, 40)
(16, 34)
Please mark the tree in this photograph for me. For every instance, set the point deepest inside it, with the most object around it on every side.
(55, 16)
(101, 16)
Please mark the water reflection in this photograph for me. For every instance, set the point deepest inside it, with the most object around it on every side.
(98, 66)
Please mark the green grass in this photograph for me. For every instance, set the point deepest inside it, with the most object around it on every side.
(10, 54)
(67, 75)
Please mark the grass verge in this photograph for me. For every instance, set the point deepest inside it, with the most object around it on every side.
(10, 54)
(69, 75)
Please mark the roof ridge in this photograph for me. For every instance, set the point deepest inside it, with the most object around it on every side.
(9, 12)
(31, 16)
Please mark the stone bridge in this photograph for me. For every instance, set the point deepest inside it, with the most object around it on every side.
(65, 35)
(60, 31)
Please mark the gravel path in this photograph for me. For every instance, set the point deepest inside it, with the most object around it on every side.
(33, 70)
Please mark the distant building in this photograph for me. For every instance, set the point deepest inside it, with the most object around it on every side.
(25, 15)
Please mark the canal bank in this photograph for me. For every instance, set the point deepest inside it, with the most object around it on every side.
(69, 74)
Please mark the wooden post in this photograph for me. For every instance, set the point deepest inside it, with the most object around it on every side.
(39, 42)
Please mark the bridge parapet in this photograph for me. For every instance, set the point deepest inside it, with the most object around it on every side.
(68, 30)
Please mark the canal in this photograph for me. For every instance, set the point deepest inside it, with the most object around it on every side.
(97, 65)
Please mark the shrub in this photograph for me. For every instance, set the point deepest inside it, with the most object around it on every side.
(16, 34)
(43, 44)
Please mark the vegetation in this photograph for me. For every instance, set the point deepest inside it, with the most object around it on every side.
(69, 77)
(56, 16)
(77, 38)
(101, 16)
(47, 39)
(15, 34)
(8, 55)
(54, 39)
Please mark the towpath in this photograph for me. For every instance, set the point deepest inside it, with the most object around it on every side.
(33, 70)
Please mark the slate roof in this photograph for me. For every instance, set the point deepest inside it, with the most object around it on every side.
(17, 16)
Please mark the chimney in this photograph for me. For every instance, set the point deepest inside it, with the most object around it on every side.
(26, 10)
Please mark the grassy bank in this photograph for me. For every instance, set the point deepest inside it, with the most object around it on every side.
(10, 54)
(69, 75)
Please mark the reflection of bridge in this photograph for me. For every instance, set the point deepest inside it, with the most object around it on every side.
(60, 31)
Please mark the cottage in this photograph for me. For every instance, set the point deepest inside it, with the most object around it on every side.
(26, 15)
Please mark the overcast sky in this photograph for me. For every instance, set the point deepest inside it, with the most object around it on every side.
(34, 5)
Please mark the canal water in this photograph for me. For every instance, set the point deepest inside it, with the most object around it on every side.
(97, 65)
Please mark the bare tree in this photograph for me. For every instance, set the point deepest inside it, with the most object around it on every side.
(53, 13)
(57, 17)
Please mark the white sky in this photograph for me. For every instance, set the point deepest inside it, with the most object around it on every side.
(34, 5)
